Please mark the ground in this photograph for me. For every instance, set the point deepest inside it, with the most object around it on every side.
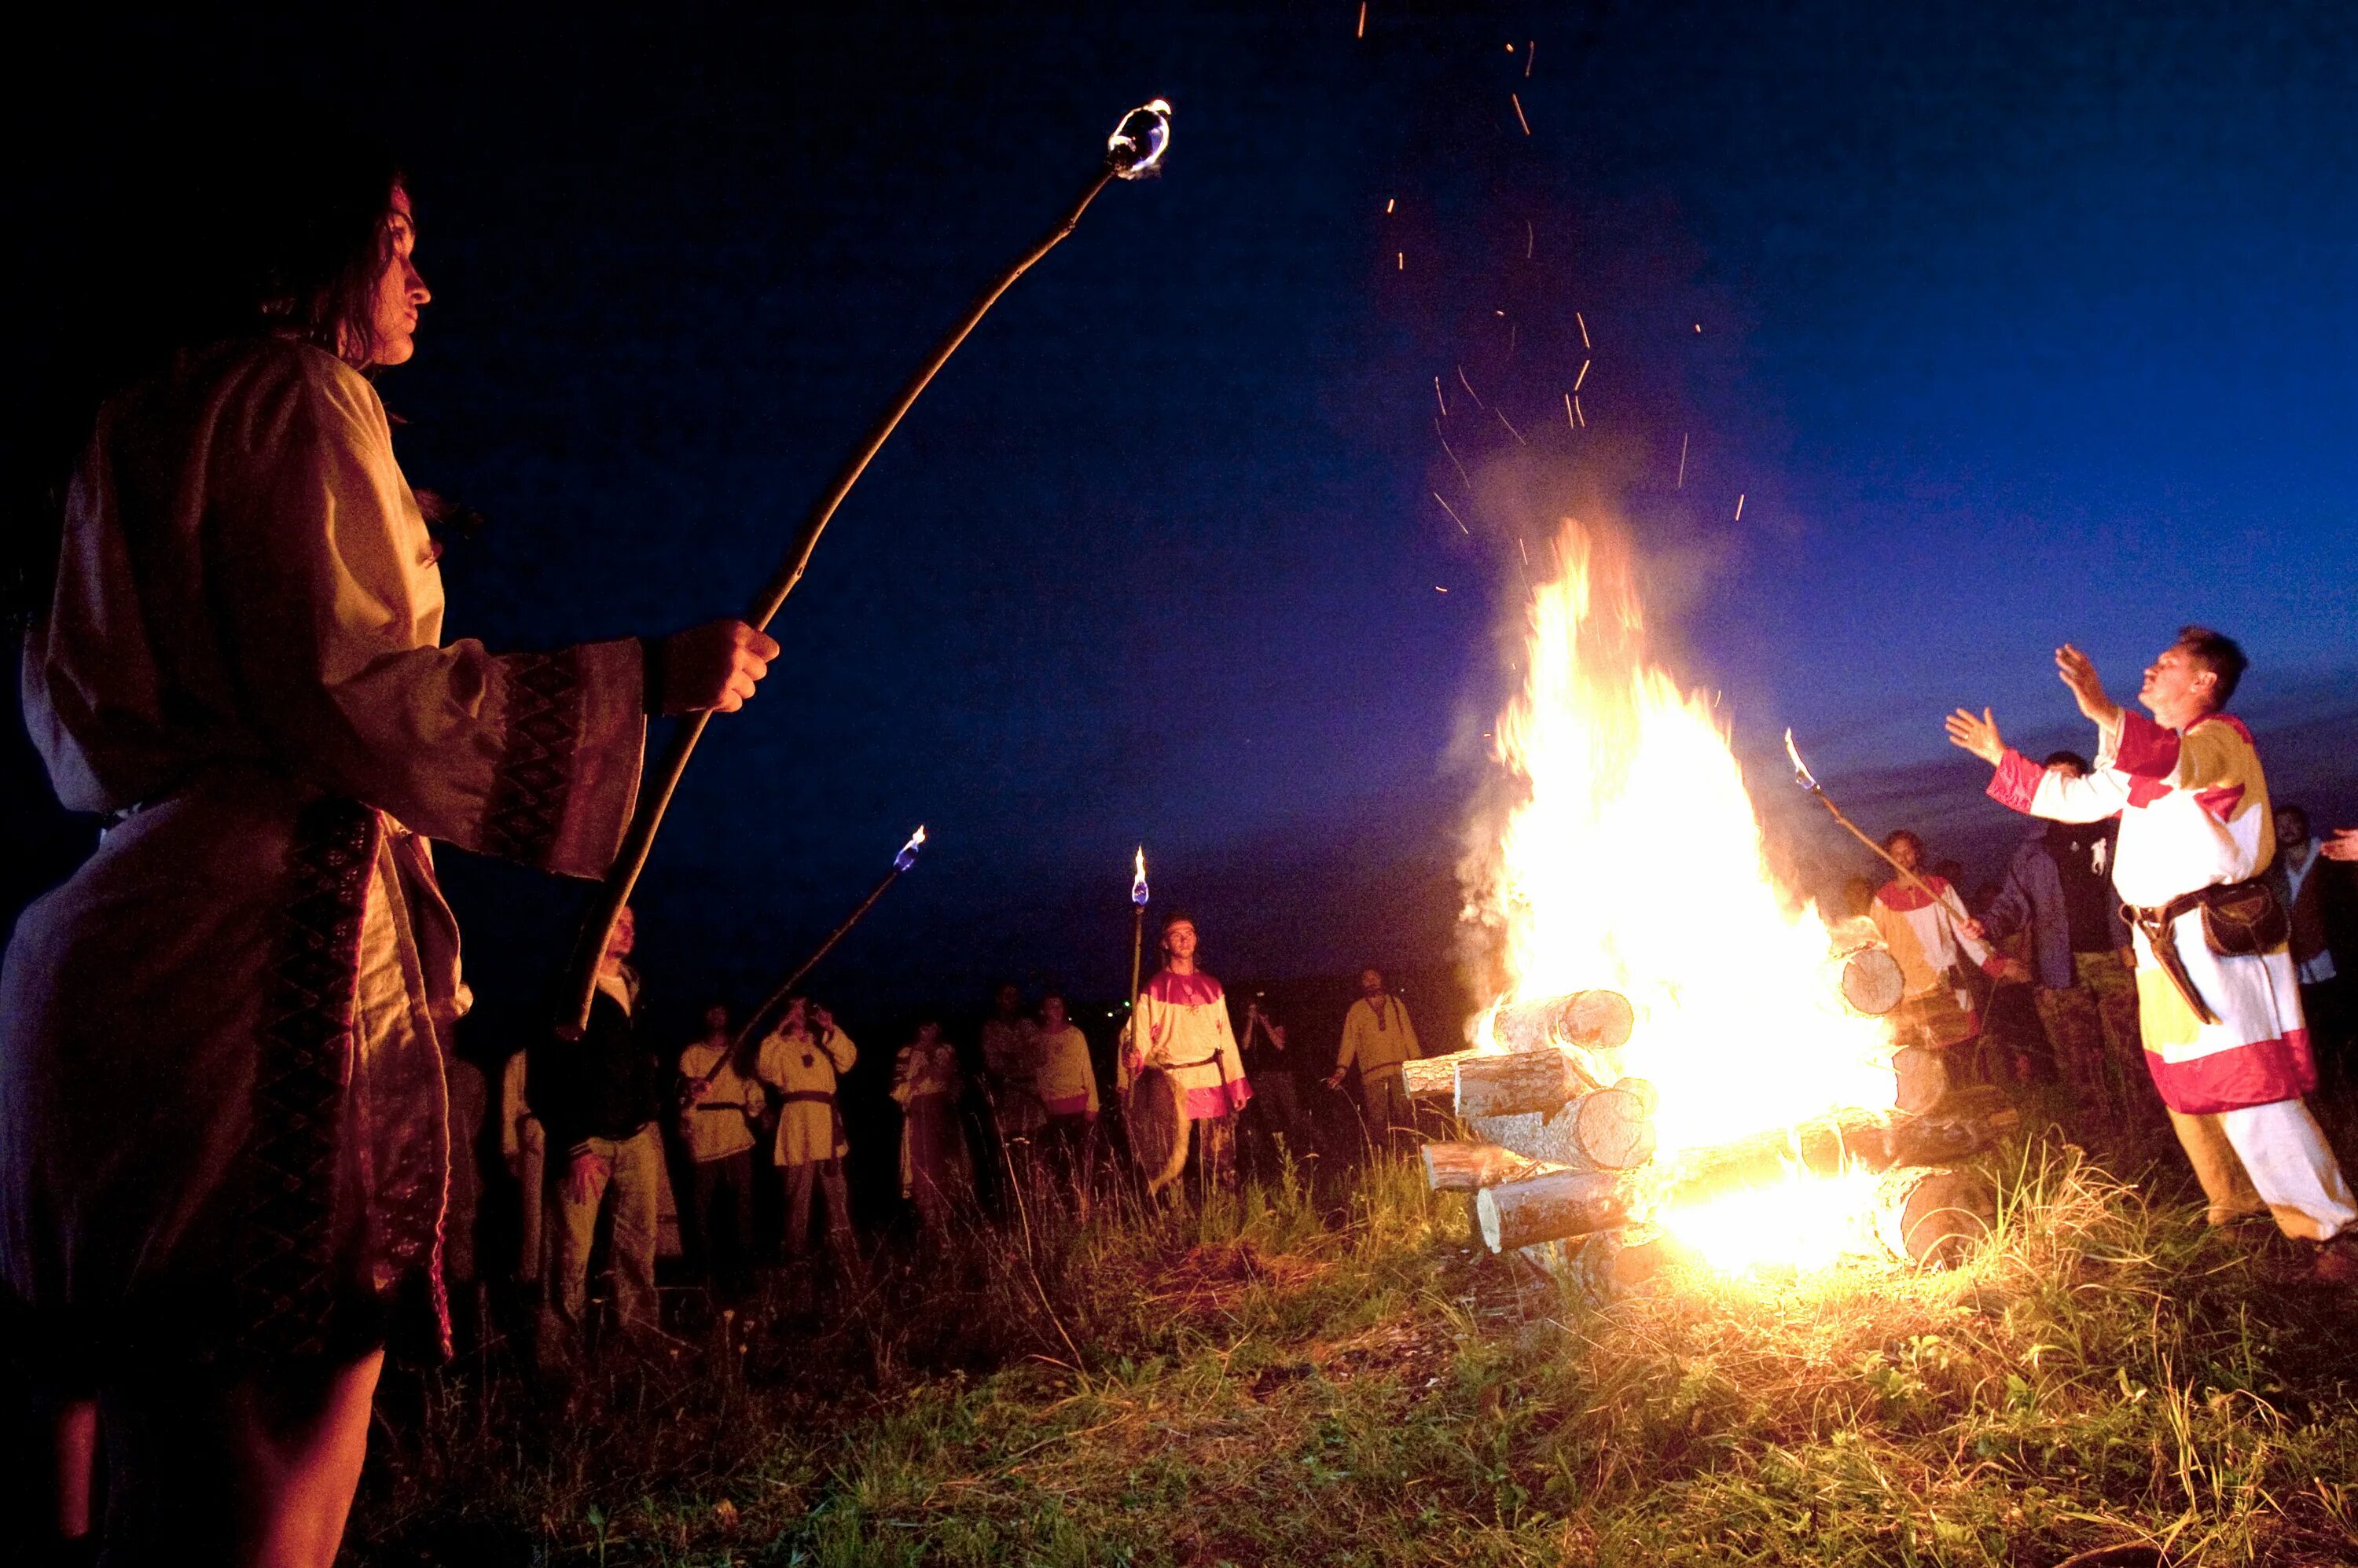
(1303, 1376)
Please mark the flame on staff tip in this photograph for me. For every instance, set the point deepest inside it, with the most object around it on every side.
(908, 855)
(1800, 770)
(1136, 148)
(1137, 880)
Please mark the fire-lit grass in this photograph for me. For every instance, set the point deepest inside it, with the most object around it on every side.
(1277, 1381)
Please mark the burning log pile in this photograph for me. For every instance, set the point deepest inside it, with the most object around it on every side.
(1561, 1166)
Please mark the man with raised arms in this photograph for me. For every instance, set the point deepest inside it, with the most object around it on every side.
(2218, 1003)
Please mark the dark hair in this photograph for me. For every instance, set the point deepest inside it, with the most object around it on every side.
(2293, 810)
(1177, 917)
(2056, 758)
(2219, 653)
(276, 222)
(1892, 839)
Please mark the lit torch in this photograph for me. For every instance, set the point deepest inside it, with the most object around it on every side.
(901, 862)
(1137, 937)
(1803, 777)
(1134, 152)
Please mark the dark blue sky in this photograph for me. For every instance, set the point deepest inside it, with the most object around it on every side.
(2013, 327)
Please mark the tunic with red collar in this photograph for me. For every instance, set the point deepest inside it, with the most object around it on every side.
(1185, 1023)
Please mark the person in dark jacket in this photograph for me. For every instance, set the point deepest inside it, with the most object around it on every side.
(2059, 890)
(2294, 876)
(601, 1098)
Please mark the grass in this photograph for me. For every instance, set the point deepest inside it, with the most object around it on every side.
(1287, 1376)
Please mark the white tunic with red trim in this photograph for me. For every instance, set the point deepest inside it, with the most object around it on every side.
(1184, 1020)
(2194, 814)
(1926, 934)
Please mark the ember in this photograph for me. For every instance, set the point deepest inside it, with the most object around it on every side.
(1632, 866)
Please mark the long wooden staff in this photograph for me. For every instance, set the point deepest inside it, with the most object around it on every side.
(745, 1036)
(1133, 152)
(1801, 776)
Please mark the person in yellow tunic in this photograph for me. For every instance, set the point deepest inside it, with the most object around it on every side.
(1183, 1028)
(1378, 1035)
(240, 666)
(717, 1108)
(1067, 1087)
(800, 1059)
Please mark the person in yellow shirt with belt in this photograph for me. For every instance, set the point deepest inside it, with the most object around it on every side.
(801, 1060)
(1379, 1036)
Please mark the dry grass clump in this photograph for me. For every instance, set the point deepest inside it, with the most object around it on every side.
(1287, 1376)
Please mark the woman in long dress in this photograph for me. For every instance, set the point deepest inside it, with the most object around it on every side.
(223, 1135)
(935, 1168)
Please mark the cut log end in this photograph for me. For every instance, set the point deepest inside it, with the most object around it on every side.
(1871, 981)
(1934, 1216)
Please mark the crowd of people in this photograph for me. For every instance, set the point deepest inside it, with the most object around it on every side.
(724, 1152)
(226, 1157)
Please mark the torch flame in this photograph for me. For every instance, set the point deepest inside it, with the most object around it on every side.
(1136, 148)
(1138, 881)
(1634, 862)
(908, 855)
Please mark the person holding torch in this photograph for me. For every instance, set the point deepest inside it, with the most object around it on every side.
(236, 656)
(1182, 1028)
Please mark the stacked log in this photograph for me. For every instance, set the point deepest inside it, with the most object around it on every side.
(1554, 1165)
(1548, 1207)
(1595, 1019)
(1518, 1081)
(1610, 1264)
(1464, 1167)
(1431, 1077)
(1866, 975)
(1933, 1215)
(1605, 1130)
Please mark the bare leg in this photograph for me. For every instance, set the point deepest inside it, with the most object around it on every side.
(259, 1473)
(73, 1433)
(301, 1444)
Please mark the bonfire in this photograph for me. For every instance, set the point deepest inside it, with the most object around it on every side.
(1682, 1045)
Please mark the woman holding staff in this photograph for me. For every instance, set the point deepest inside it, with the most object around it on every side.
(223, 1139)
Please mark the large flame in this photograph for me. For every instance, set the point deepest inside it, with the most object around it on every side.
(1634, 862)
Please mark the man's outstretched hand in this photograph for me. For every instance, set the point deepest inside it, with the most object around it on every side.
(1978, 736)
(2341, 844)
(2079, 673)
(712, 667)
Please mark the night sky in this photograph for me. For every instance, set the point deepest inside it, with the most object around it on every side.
(2012, 327)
